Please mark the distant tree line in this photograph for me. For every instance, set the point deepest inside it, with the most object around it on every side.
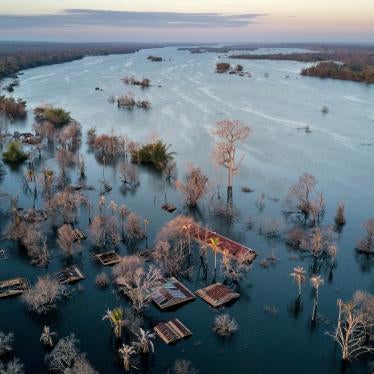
(349, 63)
(23, 55)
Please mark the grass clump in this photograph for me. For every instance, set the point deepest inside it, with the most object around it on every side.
(156, 154)
(57, 116)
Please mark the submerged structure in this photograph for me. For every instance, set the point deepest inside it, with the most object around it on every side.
(68, 275)
(217, 294)
(224, 245)
(171, 293)
(13, 287)
(172, 331)
(108, 258)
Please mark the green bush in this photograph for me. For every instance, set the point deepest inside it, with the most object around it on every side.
(155, 154)
(57, 116)
(14, 152)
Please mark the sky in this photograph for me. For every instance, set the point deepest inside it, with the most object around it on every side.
(188, 20)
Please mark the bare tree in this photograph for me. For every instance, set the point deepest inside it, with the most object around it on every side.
(66, 358)
(170, 171)
(366, 245)
(63, 355)
(303, 199)
(65, 204)
(194, 186)
(65, 159)
(12, 367)
(134, 228)
(224, 325)
(129, 175)
(229, 133)
(137, 286)
(81, 366)
(127, 266)
(354, 326)
(67, 240)
(172, 260)
(177, 232)
(104, 231)
(297, 238)
(42, 297)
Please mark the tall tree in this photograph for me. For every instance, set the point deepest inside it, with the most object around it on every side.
(299, 277)
(229, 133)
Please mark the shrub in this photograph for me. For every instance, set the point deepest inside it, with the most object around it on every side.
(102, 280)
(126, 101)
(12, 367)
(12, 109)
(222, 67)
(184, 367)
(194, 186)
(366, 244)
(340, 215)
(239, 68)
(224, 325)
(67, 358)
(57, 116)
(155, 154)
(14, 152)
(42, 298)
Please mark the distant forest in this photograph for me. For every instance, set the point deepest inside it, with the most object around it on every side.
(345, 62)
(16, 56)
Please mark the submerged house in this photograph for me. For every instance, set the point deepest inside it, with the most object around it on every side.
(172, 331)
(217, 294)
(171, 293)
(224, 245)
(70, 274)
(13, 287)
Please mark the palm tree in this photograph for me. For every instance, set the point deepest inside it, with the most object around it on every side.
(332, 251)
(316, 281)
(214, 243)
(126, 351)
(46, 336)
(298, 276)
(115, 318)
(144, 342)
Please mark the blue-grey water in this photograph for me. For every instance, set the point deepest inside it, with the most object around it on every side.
(191, 98)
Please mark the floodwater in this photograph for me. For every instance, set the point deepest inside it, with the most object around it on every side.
(337, 150)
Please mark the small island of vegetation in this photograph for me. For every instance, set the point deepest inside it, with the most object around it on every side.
(154, 58)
